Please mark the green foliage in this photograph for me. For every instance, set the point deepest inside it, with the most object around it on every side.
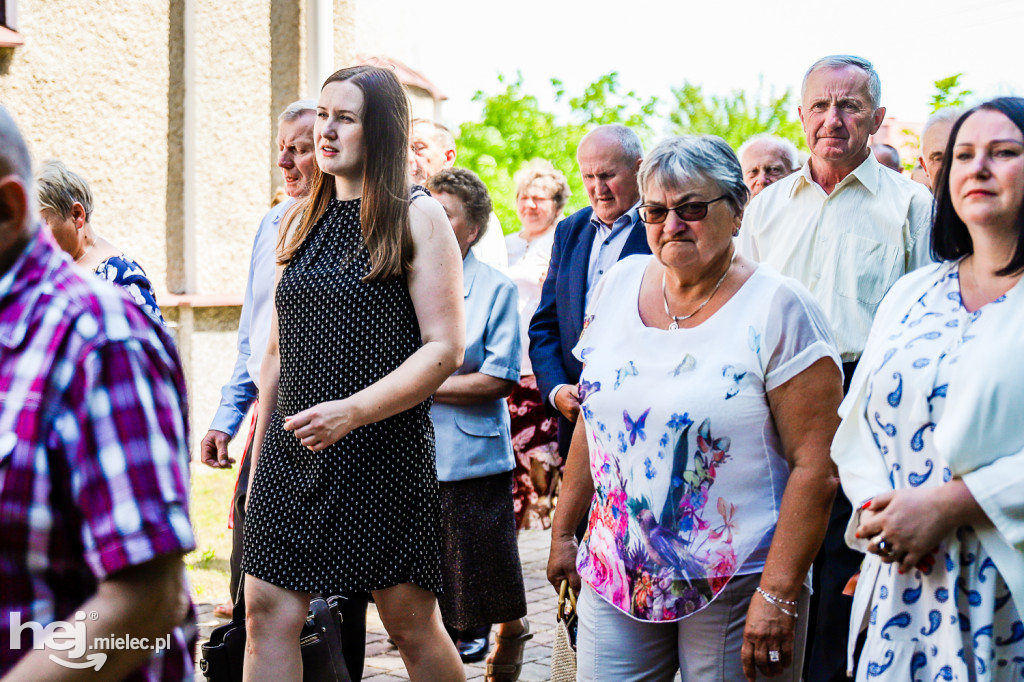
(514, 129)
(735, 117)
(949, 93)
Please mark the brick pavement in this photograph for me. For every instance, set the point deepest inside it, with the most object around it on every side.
(383, 664)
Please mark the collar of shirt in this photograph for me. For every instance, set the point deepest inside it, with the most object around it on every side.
(30, 268)
(866, 174)
(627, 219)
(470, 265)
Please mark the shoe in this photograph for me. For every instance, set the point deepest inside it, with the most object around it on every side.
(509, 672)
(225, 610)
(475, 644)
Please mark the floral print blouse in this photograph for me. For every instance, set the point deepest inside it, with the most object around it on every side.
(129, 275)
(687, 464)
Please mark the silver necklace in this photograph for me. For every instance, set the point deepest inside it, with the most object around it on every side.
(676, 319)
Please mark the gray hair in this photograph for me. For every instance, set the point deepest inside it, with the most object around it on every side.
(627, 139)
(688, 158)
(442, 135)
(296, 109)
(14, 156)
(839, 61)
(60, 188)
(944, 115)
(787, 148)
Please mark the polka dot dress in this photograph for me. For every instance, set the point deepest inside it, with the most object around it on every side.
(362, 514)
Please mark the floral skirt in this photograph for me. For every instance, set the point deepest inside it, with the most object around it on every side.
(538, 464)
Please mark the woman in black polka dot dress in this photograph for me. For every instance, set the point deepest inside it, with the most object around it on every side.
(368, 324)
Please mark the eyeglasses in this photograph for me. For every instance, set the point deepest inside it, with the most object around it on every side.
(652, 214)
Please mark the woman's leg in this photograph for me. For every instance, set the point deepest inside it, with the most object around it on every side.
(273, 621)
(413, 620)
(612, 647)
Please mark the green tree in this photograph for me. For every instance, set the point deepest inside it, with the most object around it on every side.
(949, 93)
(734, 117)
(514, 129)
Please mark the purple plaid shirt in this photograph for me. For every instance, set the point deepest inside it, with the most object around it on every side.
(93, 454)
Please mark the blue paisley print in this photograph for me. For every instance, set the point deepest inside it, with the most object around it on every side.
(953, 620)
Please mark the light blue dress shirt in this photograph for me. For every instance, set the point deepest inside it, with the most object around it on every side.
(608, 243)
(242, 388)
(474, 440)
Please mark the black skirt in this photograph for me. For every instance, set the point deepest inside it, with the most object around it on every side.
(480, 569)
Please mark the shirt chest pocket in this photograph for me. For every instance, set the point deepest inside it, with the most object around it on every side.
(865, 268)
(478, 425)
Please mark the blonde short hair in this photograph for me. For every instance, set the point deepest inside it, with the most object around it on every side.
(59, 188)
(543, 173)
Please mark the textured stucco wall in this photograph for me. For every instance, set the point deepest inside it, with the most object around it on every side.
(233, 133)
(91, 88)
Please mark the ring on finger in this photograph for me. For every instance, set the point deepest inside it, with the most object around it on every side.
(774, 657)
(884, 548)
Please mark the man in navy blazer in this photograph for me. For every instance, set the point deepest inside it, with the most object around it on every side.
(587, 243)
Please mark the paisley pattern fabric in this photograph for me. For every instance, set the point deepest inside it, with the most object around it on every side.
(687, 464)
(957, 619)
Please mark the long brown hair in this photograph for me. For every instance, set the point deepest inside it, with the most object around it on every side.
(384, 213)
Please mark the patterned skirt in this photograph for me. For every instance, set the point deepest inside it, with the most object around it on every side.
(535, 443)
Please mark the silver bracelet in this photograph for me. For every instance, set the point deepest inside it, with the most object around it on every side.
(778, 603)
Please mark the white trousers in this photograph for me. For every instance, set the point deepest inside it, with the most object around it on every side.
(704, 647)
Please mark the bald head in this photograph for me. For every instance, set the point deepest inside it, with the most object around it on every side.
(14, 158)
(16, 212)
(766, 159)
(888, 156)
(609, 157)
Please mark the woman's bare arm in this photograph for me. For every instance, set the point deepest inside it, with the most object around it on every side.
(805, 410)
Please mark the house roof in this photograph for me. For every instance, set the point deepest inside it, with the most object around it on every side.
(9, 38)
(406, 74)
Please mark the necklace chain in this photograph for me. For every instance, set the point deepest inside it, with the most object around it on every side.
(676, 319)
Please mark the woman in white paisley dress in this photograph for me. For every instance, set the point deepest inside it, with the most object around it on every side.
(931, 445)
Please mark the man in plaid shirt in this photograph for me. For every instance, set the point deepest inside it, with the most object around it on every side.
(93, 465)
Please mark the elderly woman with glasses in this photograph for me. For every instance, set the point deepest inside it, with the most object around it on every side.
(708, 396)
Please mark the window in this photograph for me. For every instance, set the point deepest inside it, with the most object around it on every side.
(8, 23)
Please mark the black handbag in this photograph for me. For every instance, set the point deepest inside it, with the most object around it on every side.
(319, 642)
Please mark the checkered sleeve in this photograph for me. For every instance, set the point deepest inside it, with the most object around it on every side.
(129, 461)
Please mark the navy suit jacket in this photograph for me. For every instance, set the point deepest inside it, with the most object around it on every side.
(558, 322)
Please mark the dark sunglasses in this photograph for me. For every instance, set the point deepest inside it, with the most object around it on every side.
(653, 214)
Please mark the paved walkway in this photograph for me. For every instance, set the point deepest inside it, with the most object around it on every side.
(383, 664)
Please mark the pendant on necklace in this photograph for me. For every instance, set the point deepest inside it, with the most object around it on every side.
(673, 325)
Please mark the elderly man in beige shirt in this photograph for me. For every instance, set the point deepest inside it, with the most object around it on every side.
(847, 228)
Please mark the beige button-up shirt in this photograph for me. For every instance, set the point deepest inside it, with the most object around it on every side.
(847, 247)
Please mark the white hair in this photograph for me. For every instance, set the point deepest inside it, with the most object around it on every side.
(629, 142)
(787, 148)
(945, 115)
(297, 109)
(839, 61)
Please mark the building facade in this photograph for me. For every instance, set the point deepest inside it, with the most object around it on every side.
(169, 109)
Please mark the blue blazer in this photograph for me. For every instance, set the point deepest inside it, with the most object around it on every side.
(558, 322)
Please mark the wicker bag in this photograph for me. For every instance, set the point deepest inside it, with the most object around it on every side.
(563, 651)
